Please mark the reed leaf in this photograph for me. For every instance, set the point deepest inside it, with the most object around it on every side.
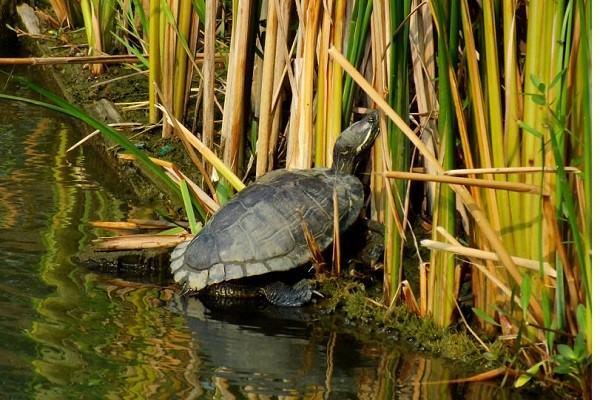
(189, 210)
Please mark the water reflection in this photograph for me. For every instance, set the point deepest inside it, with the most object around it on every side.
(273, 353)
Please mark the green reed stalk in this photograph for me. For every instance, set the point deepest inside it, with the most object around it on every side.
(154, 75)
(583, 79)
(537, 69)
(358, 28)
(106, 13)
(442, 279)
(398, 143)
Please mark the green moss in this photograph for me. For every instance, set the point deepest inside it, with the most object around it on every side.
(362, 309)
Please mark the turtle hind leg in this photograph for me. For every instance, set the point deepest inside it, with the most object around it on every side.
(280, 294)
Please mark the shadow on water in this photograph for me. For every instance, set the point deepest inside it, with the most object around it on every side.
(67, 332)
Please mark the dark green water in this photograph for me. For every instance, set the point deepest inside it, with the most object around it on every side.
(69, 333)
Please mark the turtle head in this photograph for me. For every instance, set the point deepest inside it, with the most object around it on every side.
(355, 141)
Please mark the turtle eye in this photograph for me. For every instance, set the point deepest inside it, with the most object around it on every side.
(371, 118)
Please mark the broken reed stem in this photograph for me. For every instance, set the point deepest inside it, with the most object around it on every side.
(137, 242)
(533, 265)
(476, 212)
(485, 183)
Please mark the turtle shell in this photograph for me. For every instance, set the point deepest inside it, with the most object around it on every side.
(261, 229)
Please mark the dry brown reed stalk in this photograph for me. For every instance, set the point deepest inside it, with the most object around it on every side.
(210, 205)
(380, 74)
(207, 153)
(484, 376)
(543, 268)
(300, 141)
(96, 45)
(483, 183)
(409, 298)
(138, 242)
(510, 170)
(208, 76)
(130, 225)
(95, 59)
(282, 57)
(423, 60)
(335, 82)
(234, 109)
(61, 11)
(94, 133)
(322, 85)
(476, 212)
(265, 122)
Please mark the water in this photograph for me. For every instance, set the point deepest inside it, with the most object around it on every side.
(69, 333)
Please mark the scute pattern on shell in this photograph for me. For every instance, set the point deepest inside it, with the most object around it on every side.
(260, 230)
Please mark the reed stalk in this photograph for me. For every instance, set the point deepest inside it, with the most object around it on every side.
(300, 149)
(266, 98)
(380, 75)
(582, 123)
(442, 277)
(358, 28)
(399, 57)
(323, 86)
(281, 69)
(181, 71)
(154, 75)
(333, 125)
(208, 75)
(234, 111)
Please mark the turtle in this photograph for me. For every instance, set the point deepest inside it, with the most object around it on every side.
(264, 227)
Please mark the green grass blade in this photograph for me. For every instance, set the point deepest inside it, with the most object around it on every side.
(189, 210)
